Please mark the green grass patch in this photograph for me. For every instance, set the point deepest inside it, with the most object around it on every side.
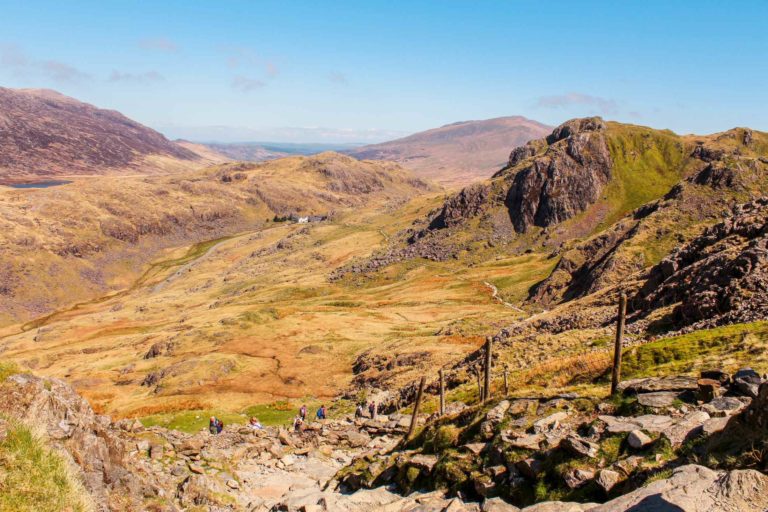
(739, 343)
(34, 478)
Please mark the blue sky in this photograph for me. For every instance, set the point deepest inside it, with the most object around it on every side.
(369, 70)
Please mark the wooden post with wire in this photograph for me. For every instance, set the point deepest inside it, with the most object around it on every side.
(416, 406)
(506, 380)
(616, 375)
(442, 393)
(488, 362)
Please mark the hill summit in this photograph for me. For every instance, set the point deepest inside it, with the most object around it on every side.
(457, 153)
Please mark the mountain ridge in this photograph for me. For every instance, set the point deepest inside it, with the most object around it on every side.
(44, 133)
(457, 153)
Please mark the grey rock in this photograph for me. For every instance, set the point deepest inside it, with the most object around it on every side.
(607, 479)
(638, 439)
(550, 422)
(695, 488)
(580, 447)
(575, 478)
(653, 384)
(658, 399)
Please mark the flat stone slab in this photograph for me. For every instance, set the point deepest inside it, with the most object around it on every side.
(725, 406)
(648, 422)
(658, 399)
(677, 430)
(653, 384)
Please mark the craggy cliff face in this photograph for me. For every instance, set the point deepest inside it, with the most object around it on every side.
(563, 181)
(546, 181)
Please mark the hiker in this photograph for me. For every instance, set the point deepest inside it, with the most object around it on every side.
(359, 411)
(321, 412)
(298, 423)
(255, 424)
(303, 412)
(215, 426)
(372, 410)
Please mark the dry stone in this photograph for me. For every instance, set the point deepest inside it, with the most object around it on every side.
(637, 439)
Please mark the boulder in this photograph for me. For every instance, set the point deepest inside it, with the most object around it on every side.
(424, 463)
(648, 422)
(475, 448)
(577, 477)
(497, 505)
(714, 425)
(607, 479)
(638, 439)
(695, 488)
(493, 418)
(709, 389)
(526, 441)
(653, 384)
(529, 467)
(580, 447)
(559, 506)
(658, 399)
(687, 427)
(722, 377)
(725, 406)
(156, 451)
(285, 438)
(550, 422)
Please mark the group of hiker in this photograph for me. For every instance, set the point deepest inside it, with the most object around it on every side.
(215, 425)
(301, 418)
(373, 410)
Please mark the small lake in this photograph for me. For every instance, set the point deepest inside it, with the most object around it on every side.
(37, 184)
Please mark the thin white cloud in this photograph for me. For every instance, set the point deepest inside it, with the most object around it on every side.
(247, 60)
(136, 78)
(160, 44)
(244, 84)
(271, 69)
(603, 105)
(337, 77)
(14, 59)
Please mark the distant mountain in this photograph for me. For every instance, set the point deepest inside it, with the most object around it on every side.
(458, 153)
(44, 133)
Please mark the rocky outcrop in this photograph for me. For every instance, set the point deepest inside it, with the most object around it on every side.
(719, 277)
(545, 183)
(697, 488)
(468, 203)
(88, 440)
(565, 180)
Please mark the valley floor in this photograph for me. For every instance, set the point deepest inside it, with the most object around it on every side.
(252, 320)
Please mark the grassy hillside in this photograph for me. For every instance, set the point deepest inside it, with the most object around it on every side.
(34, 478)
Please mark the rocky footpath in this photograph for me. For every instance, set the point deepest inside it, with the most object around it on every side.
(637, 451)
(563, 454)
(127, 467)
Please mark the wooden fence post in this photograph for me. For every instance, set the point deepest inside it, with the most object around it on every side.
(616, 375)
(479, 384)
(506, 380)
(488, 355)
(442, 393)
(415, 410)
